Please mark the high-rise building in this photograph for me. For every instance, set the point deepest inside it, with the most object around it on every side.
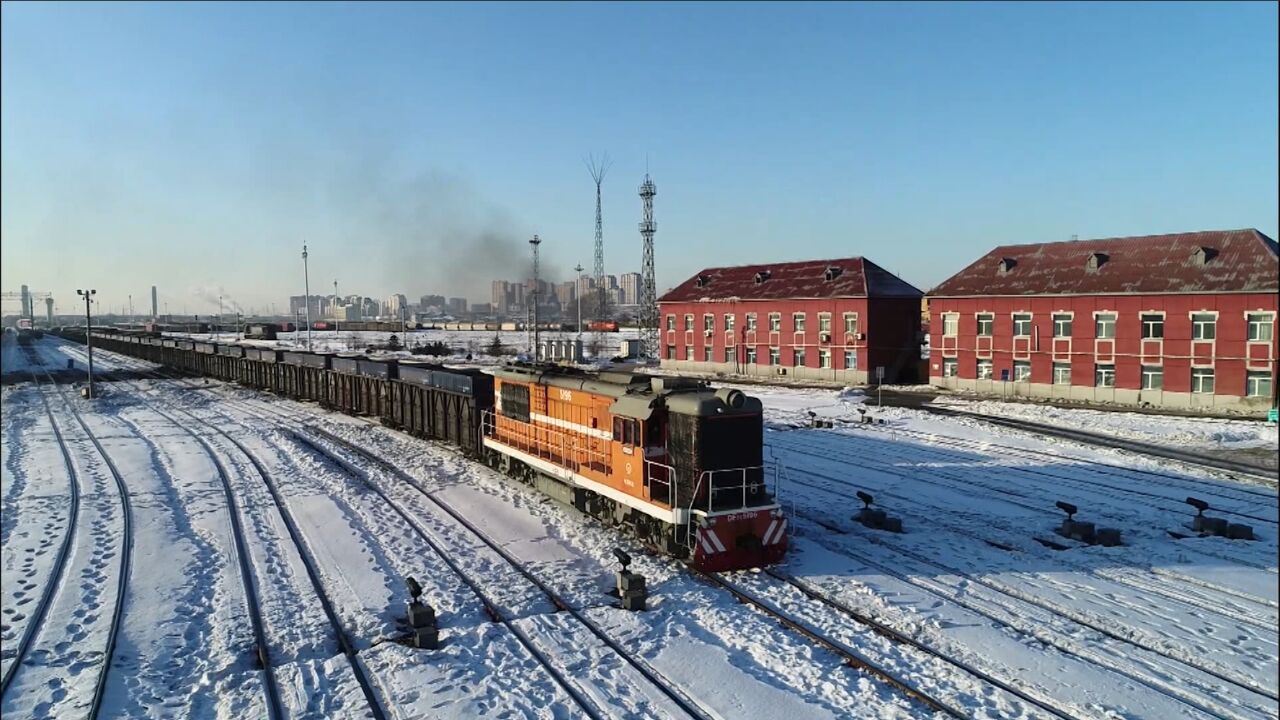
(395, 304)
(567, 293)
(155, 308)
(500, 297)
(458, 305)
(630, 285)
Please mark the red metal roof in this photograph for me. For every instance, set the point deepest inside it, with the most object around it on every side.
(1231, 261)
(847, 277)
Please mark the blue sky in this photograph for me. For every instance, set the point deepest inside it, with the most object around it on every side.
(416, 147)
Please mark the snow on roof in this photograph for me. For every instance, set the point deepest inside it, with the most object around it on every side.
(846, 277)
(1196, 262)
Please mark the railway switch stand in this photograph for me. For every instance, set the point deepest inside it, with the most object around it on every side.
(422, 618)
(876, 519)
(631, 586)
(1085, 531)
(1202, 523)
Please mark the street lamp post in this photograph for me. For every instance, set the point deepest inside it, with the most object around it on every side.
(218, 333)
(306, 279)
(88, 333)
(239, 326)
(577, 290)
(534, 243)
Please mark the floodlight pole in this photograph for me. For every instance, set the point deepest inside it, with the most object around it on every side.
(88, 332)
(534, 243)
(577, 290)
(306, 279)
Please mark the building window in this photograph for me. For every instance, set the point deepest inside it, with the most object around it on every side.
(986, 324)
(824, 358)
(1022, 372)
(1202, 380)
(728, 322)
(950, 324)
(950, 367)
(1062, 373)
(797, 321)
(1104, 326)
(751, 356)
(775, 356)
(1104, 375)
(850, 360)
(1152, 377)
(709, 323)
(671, 349)
(851, 323)
(984, 369)
(1022, 325)
(1152, 327)
(798, 357)
(1062, 326)
(688, 352)
(728, 355)
(1257, 383)
(688, 322)
(775, 322)
(824, 322)
(751, 322)
(1204, 326)
(706, 354)
(1260, 326)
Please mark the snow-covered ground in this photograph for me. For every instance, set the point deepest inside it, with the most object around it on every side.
(1155, 628)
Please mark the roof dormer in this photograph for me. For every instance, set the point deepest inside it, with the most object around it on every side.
(831, 273)
(1203, 255)
(1096, 260)
(762, 276)
(1005, 265)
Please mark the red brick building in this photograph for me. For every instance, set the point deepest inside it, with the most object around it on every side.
(1183, 320)
(818, 319)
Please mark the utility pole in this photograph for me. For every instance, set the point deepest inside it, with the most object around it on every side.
(306, 279)
(535, 242)
(239, 326)
(218, 332)
(131, 306)
(577, 290)
(88, 333)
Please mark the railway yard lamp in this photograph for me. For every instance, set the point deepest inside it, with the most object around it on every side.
(577, 290)
(306, 298)
(88, 334)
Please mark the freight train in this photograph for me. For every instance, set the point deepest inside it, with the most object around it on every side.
(677, 461)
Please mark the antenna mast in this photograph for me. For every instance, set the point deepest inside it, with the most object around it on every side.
(598, 169)
(648, 285)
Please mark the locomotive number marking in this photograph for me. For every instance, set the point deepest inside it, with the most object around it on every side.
(566, 395)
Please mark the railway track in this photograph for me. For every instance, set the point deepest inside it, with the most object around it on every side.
(1198, 488)
(1258, 473)
(1020, 597)
(57, 574)
(964, 484)
(126, 560)
(261, 650)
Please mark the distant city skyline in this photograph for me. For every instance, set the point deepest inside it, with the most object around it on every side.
(196, 147)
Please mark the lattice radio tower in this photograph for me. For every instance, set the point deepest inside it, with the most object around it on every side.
(598, 169)
(648, 285)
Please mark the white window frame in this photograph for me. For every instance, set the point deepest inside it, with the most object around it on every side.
(729, 319)
(950, 367)
(775, 356)
(708, 354)
(1197, 324)
(1149, 371)
(688, 354)
(824, 322)
(851, 327)
(1102, 371)
(982, 317)
(708, 322)
(688, 322)
(1268, 320)
(1071, 323)
(990, 368)
(1198, 376)
(671, 351)
(751, 356)
(950, 324)
(798, 322)
(1021, 365)
(1252, 386)
(799, 357)
(824, 359)
(775, 322)
(671, 323)
(850, 359)
(1143, 322)
(1031, 323)
(1058, 377)
(1097, 320)
(751, 322)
